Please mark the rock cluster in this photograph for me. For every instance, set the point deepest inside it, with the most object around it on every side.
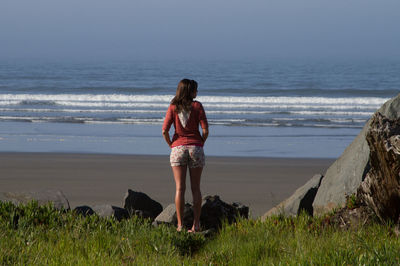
(346, 174)
(344, 177)
(214, 210)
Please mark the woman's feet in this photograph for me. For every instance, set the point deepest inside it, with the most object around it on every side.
(194, 229)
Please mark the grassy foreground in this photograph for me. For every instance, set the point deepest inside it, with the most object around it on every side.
(42, 235)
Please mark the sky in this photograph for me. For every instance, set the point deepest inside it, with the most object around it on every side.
(205, 29)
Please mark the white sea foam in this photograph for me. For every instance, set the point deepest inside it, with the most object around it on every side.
(112, 104)
(210, 102)
(124, 108)
(39, 110)
(162, 112)
(324, 113)
(123, 98)
(86, 97)
(160, 120)
(287, 106)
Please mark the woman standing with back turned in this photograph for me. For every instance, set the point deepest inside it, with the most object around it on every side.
(186, 146)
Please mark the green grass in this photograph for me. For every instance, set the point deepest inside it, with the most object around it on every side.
(42, 235)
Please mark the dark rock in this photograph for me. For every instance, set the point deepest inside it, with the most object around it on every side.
(213, 212)
(84, 210)
(345, 175)
(142, 214)
(301, 200)
(106, 210)
(43, 197)
(187, 216)
(139, 201)
(241, 209)
(381, 188)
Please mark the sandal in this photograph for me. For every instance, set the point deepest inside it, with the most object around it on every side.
(179, 228)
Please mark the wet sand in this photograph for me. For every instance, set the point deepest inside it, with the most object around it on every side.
(88, 179)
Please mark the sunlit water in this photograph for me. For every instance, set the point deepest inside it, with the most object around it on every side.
(267, 109)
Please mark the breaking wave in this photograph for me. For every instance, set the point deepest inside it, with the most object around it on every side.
(222, 110)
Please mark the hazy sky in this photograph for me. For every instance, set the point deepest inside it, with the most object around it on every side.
(222, 29)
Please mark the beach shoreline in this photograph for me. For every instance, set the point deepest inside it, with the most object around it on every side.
(90, 179)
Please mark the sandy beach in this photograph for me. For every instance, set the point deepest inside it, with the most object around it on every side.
(88, 179)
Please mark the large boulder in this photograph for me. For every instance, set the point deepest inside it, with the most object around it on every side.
(55, 197)
(139, 202)
(345, 175)
(301, 200)
(381, 188)
(107, 210)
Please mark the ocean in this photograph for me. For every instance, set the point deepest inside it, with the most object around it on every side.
(263, 108)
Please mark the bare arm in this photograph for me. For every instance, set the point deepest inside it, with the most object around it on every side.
(205, 134)
(167, 138)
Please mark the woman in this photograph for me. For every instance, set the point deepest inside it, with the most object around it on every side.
(186, 146)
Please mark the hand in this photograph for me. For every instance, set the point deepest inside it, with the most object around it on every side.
(167, 138)
(205, 135)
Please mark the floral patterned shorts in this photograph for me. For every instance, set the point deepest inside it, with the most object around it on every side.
(193, 156)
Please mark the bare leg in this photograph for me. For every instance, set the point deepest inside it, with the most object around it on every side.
(180, 184)
(195, 176)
